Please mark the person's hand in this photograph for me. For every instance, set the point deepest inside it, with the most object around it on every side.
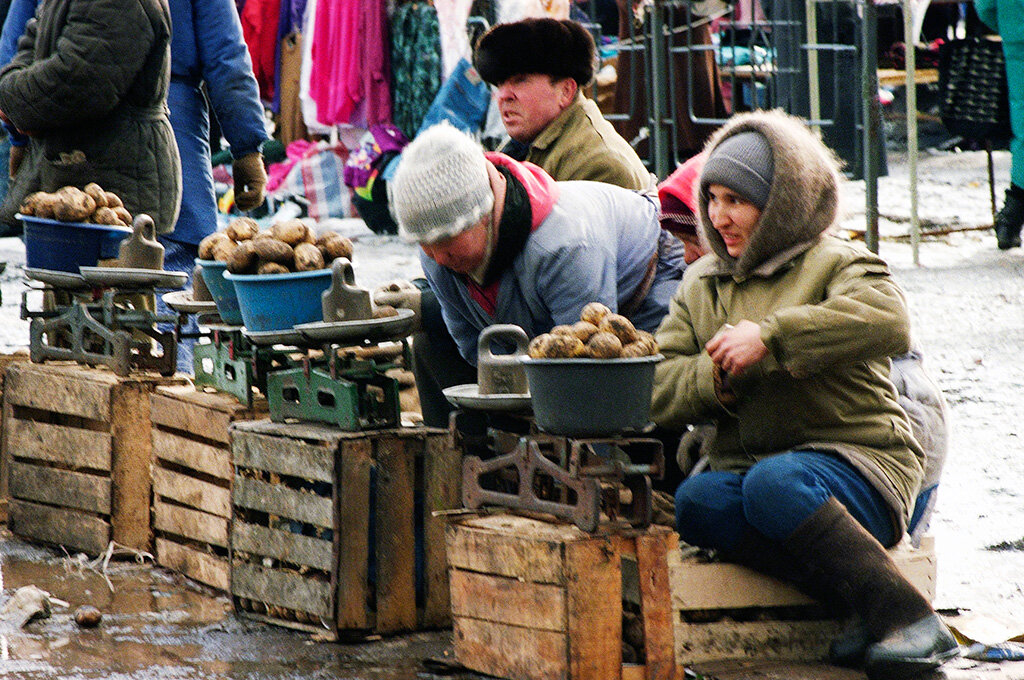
(736, 348)
(401, 294)
(250, 180)
(17, 156)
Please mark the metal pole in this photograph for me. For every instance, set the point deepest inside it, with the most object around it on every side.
(869, 95)
(659, 80)
(910, 40)
(811, 11)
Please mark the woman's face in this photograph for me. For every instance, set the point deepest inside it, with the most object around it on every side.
(733, 217)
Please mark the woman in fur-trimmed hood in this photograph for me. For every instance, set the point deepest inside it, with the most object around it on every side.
(781, 337)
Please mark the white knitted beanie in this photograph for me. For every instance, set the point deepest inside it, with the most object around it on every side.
(441, 186)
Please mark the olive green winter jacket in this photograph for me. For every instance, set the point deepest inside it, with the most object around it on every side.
(830, 315)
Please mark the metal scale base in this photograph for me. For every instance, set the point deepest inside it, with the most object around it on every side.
(351, 394)
(102, 333)
(231, 363)
(574, 479)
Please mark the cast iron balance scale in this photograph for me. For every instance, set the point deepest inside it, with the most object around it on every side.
(332, 371)
(577, 474)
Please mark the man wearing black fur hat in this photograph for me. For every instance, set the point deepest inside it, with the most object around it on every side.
(538, 67)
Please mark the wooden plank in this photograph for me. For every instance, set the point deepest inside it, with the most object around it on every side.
(58, 526)
(442, 477)
(353, 544)
(192, 492)
(277, 499)
(68, 446)
(395, 536)
(594, 606)
(656, 612)
(541, 606)
(195, 455)
(131, 452)
(262, 452)
(199, 526)
(511, 652)
(790, 640)
(63, 488)
(197, 413)
(199, 566)
(282, 545)
(530, 555)
(720, 585)
(65, 389)
(5, 455)
(281, 588)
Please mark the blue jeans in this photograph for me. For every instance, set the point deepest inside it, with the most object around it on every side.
(774, 497)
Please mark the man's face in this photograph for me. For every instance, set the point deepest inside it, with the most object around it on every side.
(463, 252)
(529, 102)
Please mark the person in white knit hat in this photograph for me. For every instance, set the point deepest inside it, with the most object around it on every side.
(502, 242)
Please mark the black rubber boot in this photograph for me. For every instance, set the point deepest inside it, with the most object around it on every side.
(842, 557)
(849, 648)
(1010, 219)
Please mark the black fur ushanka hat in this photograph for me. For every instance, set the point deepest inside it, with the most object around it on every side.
(558, 48)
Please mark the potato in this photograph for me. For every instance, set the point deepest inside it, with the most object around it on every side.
(645, 346)
(223, 250)
(242, 229)
(604, 345)
(45, 204)
(207, 245)
(243, 259)
(73, 205)
(594, 312)
(620, 326)
(123, 214)
(562, 330)
(308, 258)
(105, 215)
(583, 330)
(538, 346)
(272, 268)
(273, 250)
(333, 245)
(113, 200)
(564, 346)
(262, 234)
(292, 232)
(383, 311)
(98, 195)
(28, 206)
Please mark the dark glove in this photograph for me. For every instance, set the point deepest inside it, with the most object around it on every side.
(250, 180)
(17, 156)
(402, 294)
(694, 446)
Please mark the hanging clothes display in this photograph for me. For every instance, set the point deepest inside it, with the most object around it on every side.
(415, 63)
(259, 26)
(451, 18)
(308, 104)
(289, 23)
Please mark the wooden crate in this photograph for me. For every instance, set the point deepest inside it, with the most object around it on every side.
(192, 475)
(725, 611)
(5, 361)
(76, 443)
(533, 600)
(300, 550)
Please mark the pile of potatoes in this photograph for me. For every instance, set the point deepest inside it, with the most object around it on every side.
(71, 204)
(599, 334)
(289, 246)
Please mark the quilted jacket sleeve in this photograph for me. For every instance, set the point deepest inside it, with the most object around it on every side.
(98, 51)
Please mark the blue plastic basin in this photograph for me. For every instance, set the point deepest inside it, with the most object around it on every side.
(222, 290)
(276, 302)
(66, 246)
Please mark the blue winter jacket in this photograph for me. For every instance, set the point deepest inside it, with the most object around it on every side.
(594, 246)
(207, 47)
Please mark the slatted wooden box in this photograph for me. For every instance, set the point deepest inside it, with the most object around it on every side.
(77, 448)
(192, 475)
(725, 611)
(301, 552)
(533, 600)
(5, 361)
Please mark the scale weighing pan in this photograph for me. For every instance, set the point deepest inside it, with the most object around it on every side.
(358, 330)
(181, 301)
(468, 396)
(288, 336)
(57, 279)
(128, 276)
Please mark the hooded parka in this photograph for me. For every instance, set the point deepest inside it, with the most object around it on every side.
(89, 84)
(830, 316)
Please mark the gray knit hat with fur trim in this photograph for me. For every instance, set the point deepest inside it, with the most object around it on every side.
(744, 163)
(441, 186)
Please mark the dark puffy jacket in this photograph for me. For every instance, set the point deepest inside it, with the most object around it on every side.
(89, 83)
